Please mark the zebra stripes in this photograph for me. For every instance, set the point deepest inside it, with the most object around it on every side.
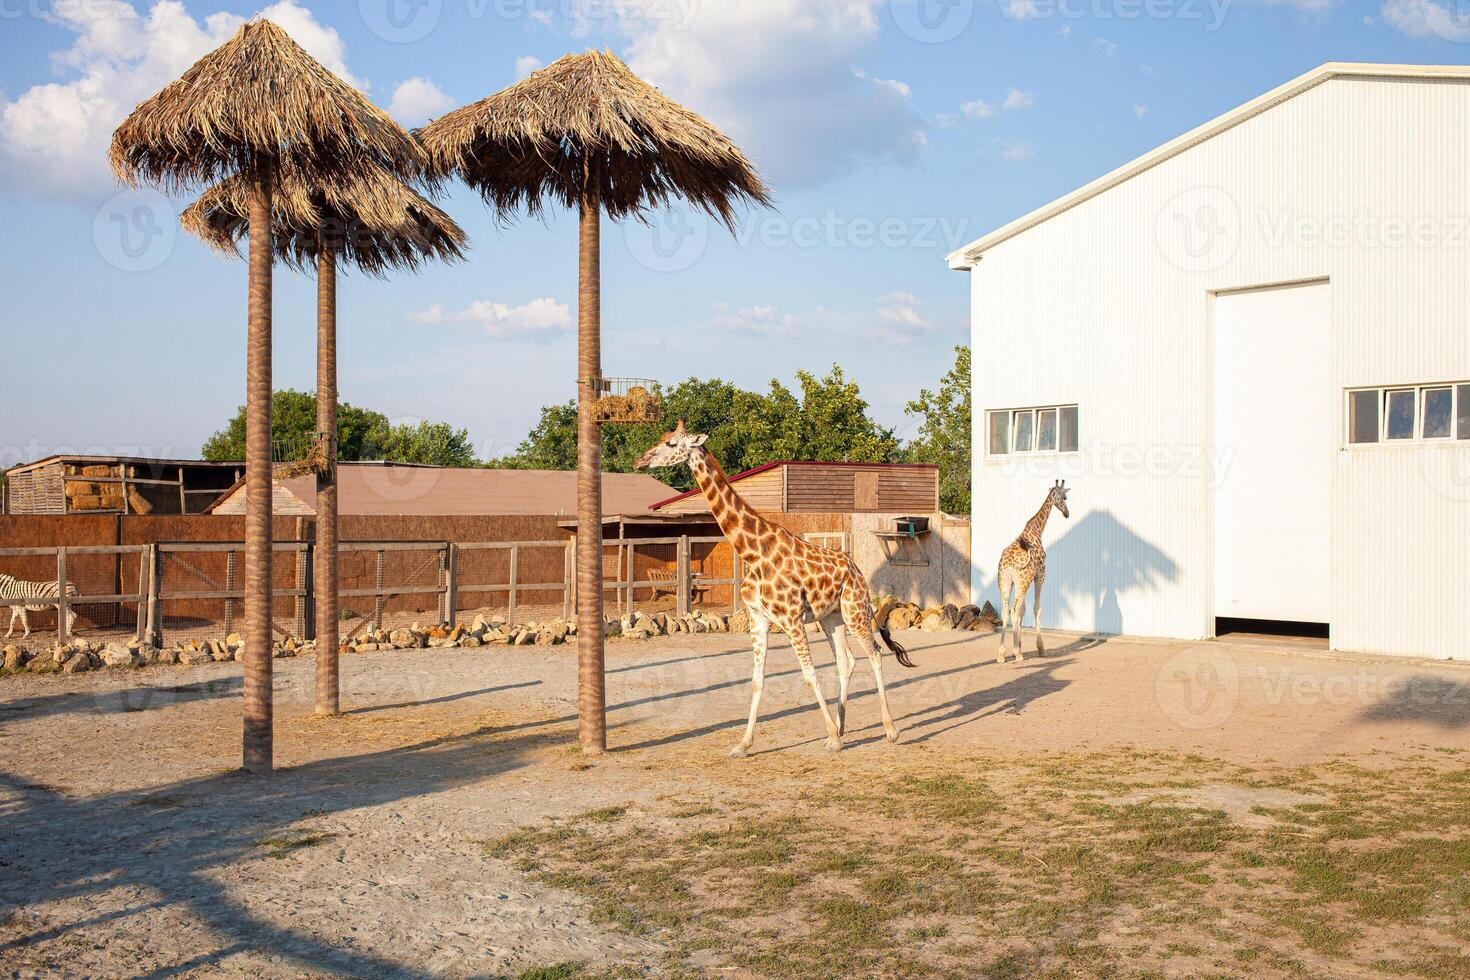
(13, 588)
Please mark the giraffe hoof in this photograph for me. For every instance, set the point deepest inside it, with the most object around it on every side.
(738, 752)
(891, 735)
(834, 744)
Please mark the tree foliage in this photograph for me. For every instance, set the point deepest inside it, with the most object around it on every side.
(827, 420)
(362, 434)
(945, 433)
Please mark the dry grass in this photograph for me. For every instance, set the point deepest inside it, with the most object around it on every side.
(585, 122)
(1097, 864)
(259, 104)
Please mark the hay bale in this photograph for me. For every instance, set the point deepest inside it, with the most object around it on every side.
(85, 501)
(96, 471)
(138, 503)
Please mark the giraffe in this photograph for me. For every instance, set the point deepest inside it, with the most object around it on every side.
(1022, 562)
(785, 580)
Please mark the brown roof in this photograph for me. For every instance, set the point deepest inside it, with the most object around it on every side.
(844, 464)
(377, 489)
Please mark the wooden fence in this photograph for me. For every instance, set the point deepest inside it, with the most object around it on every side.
(196, 587)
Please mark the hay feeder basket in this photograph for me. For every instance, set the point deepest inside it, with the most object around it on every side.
(626, 400)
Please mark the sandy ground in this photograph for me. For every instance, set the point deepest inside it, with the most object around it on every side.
(129, 843)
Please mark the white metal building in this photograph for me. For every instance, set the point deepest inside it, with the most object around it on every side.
(1248, 353)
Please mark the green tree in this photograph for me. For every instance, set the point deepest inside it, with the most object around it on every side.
(829, 421)
(945, 433)
(361, 434)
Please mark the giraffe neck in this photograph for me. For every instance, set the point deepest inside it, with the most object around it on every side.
(1037, 524)
(738, 520)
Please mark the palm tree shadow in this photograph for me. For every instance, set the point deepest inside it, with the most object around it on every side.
(213, 822)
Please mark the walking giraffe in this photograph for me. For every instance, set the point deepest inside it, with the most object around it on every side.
(1022, 562)
(785, 580)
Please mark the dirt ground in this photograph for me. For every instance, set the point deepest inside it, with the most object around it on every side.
(1120, 807)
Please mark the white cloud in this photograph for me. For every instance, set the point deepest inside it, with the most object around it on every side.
(1108, 48)
(1016, 99)
(1016, 149)
(756, 321)
(540, 319)
(1022, 10)
(526, 64)
(778, 77)
(1065, 30)
(1427, 18)
(979, 109)
(1140, 110)
(1306, 6)
(417, 100)
(899, 319)
(946, 120)
(54, 136)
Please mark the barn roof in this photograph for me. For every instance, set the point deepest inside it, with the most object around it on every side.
(842, 464)
(391, 489)
(964, 259)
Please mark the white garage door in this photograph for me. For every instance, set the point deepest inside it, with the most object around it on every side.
(1274, 432)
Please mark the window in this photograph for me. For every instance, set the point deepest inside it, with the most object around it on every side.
(836, 540)
(1427, 413)
(1050, 429)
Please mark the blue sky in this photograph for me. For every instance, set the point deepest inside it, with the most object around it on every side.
(891, 131)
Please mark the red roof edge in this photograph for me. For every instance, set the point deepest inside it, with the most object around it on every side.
(798, 462)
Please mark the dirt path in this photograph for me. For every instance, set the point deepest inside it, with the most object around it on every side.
(129, 844)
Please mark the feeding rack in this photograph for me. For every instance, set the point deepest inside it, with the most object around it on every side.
(626, 400)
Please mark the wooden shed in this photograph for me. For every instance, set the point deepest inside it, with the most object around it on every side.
(117, 485)
(796, 487)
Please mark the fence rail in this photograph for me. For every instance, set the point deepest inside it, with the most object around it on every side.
(195, 588)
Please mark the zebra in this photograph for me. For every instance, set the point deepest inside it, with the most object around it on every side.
(13, 588)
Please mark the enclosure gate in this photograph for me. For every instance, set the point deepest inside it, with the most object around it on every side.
(98, 572)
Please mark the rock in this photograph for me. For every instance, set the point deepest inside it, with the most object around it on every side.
(495, 636)
(167, 656)
(403, 639)
(479, 626)
(522, 637)
(15, 657)
(884, 609)
(934, 620)
(234, 641)
(284, 651)
(614, 628)
(78, 663)
(191, 656)
(739, 621)
(456, 633)
(147, 654)
(470, 640)
(637, 634)
(366, 647)
(968, 612)
(645, 623)
(220, 651)
(440, 642)
(117, 655)
(695, 625)
(988, 614)
(546, 638)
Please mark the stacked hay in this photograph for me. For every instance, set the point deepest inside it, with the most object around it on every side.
(89, 495)
(638, 405)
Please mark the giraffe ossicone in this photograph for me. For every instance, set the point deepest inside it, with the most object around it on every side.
(786, 579)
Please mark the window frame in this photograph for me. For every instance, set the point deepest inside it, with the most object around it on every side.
(1459, 390)
(1035, 411)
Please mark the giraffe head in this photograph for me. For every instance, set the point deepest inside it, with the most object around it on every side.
(672, 449)
(1058, 497)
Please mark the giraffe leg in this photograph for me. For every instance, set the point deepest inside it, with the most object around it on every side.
(1040, 646)
(836, 631)
(1005, 616)
(864, 638)
(760, 634)
(1018, 614)
(797, 634)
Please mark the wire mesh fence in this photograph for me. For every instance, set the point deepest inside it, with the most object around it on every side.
(101, 588)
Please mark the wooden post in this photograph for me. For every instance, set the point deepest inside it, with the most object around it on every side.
(682, 571)
(306, 582)
(566, 581)
(229, 587)
(141, 617)
(515, 571)
(735, 574)
(451, 581)
(378, 595)
(155, 585)
(631, 564)
(63, 634)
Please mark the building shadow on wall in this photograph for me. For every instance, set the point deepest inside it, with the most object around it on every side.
(1097, 560)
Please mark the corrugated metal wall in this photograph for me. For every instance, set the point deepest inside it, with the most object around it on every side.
(1358, 181)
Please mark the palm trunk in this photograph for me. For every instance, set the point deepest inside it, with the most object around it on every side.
(258, 708)
(327, 688)
(591, 695)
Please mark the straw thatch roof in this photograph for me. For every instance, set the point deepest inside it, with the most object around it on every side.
(257, 99)
(373, 222)
(587, 114)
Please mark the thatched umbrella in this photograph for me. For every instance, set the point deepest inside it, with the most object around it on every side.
(375, 224)
(258, 106)
(585, 132)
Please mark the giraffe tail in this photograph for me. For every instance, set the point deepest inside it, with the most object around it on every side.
(901, 654)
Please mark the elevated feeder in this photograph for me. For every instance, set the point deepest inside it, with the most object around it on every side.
(626, 400)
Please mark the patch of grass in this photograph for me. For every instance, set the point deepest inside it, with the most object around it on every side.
(568, 970)
(279, 847)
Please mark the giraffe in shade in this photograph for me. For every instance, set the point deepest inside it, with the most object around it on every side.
(786, 580)
(1022, 562)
